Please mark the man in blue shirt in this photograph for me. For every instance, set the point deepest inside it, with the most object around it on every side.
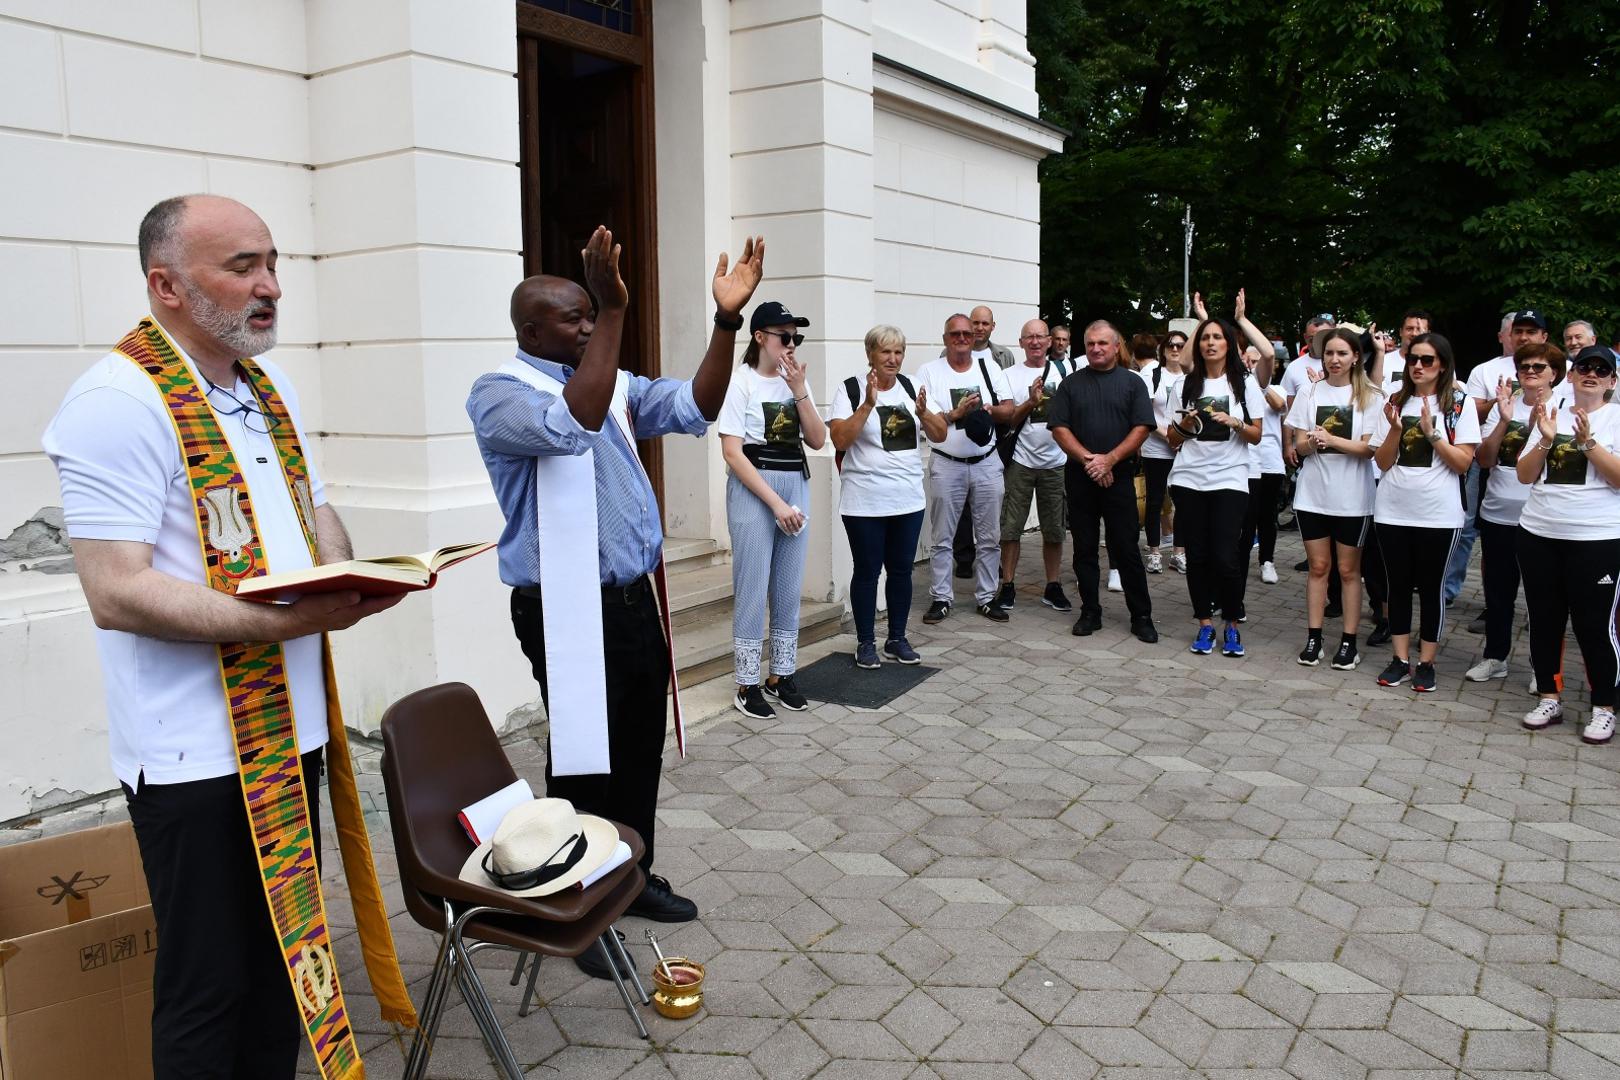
(562, 336)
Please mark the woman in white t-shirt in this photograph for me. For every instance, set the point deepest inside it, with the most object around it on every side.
(1218, 419)
(765, 424)
(1266, 476)
(1539, 371)
(1332, 420)
(1425, 438)
(1569, 539)
(875, 431)
(1164, 387)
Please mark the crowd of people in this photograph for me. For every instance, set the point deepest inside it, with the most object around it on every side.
(1396, 464)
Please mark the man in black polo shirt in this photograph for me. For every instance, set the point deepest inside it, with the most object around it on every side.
(1099, 416)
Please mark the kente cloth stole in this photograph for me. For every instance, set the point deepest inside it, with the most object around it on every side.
(254, 678)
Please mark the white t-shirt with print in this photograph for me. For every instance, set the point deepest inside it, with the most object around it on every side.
(882, 473)
(1504, 495)
(941, 379)
(1036, 449)
(1421, 490)
(1265, 456)
(1166, 400)
(1297, 375)
(1334, 483)
(1218, 460)
(1570, 500)
(122, 478)
(752, 402)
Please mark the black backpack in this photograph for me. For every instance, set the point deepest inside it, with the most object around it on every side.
(852, 387)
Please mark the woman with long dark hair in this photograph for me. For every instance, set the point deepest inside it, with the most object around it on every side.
(1218, 420)
(1424, 440)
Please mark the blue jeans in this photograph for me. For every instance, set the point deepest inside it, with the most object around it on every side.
(1457, 568)
(882, 543)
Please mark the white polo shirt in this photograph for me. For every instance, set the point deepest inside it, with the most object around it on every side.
(122, 478)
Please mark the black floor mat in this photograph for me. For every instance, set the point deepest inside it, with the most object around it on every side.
(835, 679)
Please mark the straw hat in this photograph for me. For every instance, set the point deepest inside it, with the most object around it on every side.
(541, 847)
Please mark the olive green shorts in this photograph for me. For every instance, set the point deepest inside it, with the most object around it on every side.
(1045, 487)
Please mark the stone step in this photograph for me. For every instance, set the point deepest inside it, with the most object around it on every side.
(703, 636)
(691, 552)
(697, 586)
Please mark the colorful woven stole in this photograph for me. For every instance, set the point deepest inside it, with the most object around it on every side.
(254, 677)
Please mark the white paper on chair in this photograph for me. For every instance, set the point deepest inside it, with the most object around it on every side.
(483, 817)
(620, 856)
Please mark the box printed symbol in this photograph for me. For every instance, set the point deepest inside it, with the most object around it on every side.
(75, 886)
(93, 956)
(123, 948)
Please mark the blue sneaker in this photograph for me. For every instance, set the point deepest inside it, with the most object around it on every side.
(1232, 645)
(899, 649)
(1204, 643)
(866, 655)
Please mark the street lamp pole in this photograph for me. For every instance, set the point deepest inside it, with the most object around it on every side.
(1186, 264)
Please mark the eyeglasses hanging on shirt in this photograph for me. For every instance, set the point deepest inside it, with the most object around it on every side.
(254, 416)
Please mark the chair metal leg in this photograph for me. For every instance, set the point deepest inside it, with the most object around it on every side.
(478, 1003)
(517, 972)
(528, 991)
(432, 1008)
(635, 976)
(624, 993)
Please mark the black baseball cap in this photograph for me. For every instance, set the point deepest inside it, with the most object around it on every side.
(1531, 316)
(1594, 354)
(774, 313)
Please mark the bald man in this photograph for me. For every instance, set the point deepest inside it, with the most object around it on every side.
(553, 403)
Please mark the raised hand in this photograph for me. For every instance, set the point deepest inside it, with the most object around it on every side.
(1426, 420)
(1392, 413)
(1583, 425)
(1242, 306)
(732, 290)
(1198, 307)
(1504, 399)
(602, 278)
(1545, 418)
(922, 400)
(872, 390)
(1037, 389)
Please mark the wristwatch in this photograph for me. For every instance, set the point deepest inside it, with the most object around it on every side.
(1434, 436)
(733, 324)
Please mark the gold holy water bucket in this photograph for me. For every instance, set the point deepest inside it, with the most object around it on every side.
(681, 996)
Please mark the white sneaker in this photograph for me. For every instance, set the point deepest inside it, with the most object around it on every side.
(1113, 582)
(1486, 670)
(1178, 561)
(1155, 563)
(1549, 710)
(1601, 728)
(1268, 573)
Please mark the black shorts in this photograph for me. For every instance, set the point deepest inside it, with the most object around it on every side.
(1344, 531)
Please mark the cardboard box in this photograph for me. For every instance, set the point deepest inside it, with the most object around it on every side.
(77, 942)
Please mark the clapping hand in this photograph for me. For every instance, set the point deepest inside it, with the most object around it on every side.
(1392, 413)
(732, 290)
(967, 405)
(1037, 389)
(602, 278)
(1504, 398)
(1426, 420)
(1546, 421)
(1314, 375)
(922, 400)
(871, 390)
(1583, 425)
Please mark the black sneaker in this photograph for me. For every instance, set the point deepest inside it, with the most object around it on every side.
(1088, 623)
(1478, 625)
(1007, 596)
(1380, 634)
(1144, 630)
(964, 569)
(993, 613)
(1311, 654)
(1347, 658)
(591, 963)
(786, 693)
(750, 701)
(660, 903)
(1423, 679)
(900, 650)
(1303, 565)
(1396, 673)
(1055, 599)
(938, 611)
(1333, 611)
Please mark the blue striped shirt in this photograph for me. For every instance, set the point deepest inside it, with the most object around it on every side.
(514, 423)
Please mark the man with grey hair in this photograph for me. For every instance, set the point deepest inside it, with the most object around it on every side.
(1578, 335)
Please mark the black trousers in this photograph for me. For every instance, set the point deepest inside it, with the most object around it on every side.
(1156, 473)
(1499, 573)
(1209, 525)
(1110, 510)
(1415, 558)
(222, 1005)
(1571, 581)
(1261, 516)
(637, 664)
(1374, 579)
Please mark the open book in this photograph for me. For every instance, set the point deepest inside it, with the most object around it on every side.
(383, 576)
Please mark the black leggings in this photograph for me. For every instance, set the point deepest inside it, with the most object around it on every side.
(1156, 473)
(1209, 524)
(1499, 572)
(1571, 581)
(1261, 516)
(1415, 558)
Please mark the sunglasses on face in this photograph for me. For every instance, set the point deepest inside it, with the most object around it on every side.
(1533, 369)
(959, 333)
(1174, 344)
(785, 337)
(1423, 359)
(1594, 367)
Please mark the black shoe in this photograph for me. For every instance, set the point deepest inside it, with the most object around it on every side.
(964, 569)
(1333, 611)
(751, 702)
(937, 612)
(1478, 625)
(1311, 654)
(659, 903)
(991, 612)
(1303, 565)
(1055, 599)
(1007, 596)
(1397, 672)
(1347, 658)
(591, 963)
(1423, 679)
(1144, 630)
(1380, 634)
(1088, 623)
(786, 693)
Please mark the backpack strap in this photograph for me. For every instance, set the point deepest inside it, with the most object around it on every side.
(905, 384)
(1158, 374)
(853, 388)
(989, 387)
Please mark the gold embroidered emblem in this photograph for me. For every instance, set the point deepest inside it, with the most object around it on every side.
(315, 979)
(228, 531)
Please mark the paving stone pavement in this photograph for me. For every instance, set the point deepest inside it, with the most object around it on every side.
(1074, 858)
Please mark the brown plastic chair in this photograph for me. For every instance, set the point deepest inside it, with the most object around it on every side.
(440, 754)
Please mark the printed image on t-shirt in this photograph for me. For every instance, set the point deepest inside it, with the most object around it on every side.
(1336, 420)
(1416, 450)
(1037, 415)
(898, 428)
(1513, 440)
(959, 394)
(1565, 463)
(781, 422)
(1213, 430)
